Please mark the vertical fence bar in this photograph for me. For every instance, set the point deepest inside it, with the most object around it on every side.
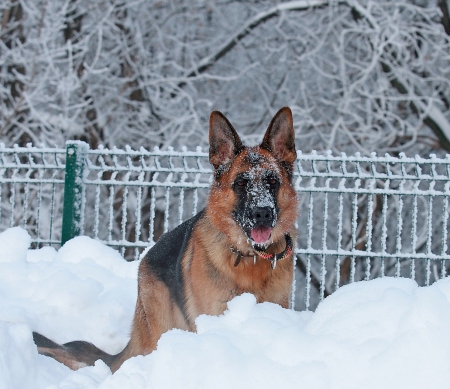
(138, 215)
(294, 284)
(384, 230)
(73, 190)
(195, 201)
(429, 239)
(414, 235)
(369, 227)
(38, 211)
(444, 245)
(151, 234)
(12, 199)
(52, 210)
(354, 232)
(323, 269)
(111, 211)
(398, 243)
(97, 208)
(339, 239)
(25, 206)
(166, 209)
(340, 219)
(181, 206)
(308, 257)
(12, 202)
(430, 221)
(123, 226)
(1, 203)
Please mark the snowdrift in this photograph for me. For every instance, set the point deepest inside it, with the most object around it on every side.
(384, 333)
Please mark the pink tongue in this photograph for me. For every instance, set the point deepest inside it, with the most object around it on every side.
(260, 234)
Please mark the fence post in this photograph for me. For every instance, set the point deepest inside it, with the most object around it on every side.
(73, 190)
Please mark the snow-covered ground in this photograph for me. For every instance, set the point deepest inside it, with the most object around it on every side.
(385, 333)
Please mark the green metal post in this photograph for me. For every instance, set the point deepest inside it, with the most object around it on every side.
(73, 190)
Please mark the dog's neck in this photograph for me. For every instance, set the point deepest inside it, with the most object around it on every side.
(262, 253)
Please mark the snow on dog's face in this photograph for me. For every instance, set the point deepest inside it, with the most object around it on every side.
(256, 186)
(255, 202)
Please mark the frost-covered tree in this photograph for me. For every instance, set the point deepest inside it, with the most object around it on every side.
(359, 75)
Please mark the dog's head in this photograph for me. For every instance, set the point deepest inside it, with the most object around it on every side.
(252, 200)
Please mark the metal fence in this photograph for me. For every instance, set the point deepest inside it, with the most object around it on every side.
(360, 217)
(31, 188)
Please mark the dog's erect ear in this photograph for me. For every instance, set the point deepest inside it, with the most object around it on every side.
(279, 137)
(224, 142)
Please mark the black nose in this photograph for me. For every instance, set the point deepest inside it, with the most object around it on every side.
(263, 216)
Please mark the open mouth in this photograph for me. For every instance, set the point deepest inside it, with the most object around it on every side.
(260, 234)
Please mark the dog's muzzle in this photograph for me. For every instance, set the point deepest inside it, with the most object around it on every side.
(263, 222)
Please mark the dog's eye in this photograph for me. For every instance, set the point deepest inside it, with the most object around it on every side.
(241, 182)
(272, 181)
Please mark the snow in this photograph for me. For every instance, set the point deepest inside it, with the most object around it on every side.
(383, 333)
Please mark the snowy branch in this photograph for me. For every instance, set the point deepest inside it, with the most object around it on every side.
(250, 25)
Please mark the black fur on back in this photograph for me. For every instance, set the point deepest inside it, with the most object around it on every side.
(164, 258)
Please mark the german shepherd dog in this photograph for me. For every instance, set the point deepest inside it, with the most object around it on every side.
(241, 242)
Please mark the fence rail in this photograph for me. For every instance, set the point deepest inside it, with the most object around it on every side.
(360, 217)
